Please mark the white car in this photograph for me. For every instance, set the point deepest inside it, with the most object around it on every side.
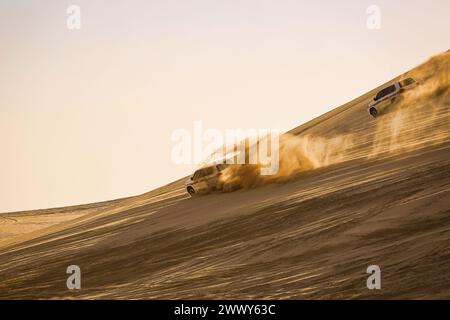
(210, 178)
(205, 180)
(389, 95)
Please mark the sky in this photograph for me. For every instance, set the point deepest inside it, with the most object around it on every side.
(87, 115)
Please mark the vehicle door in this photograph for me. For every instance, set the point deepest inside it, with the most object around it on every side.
(199, 181)
(211, 175)
(385, 95)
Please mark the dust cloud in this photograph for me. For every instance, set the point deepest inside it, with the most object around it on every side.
(296, 154)
(420, 118)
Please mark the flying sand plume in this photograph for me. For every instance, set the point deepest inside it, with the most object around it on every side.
(411, 124)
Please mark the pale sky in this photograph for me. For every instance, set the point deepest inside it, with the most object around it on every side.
(87, 115)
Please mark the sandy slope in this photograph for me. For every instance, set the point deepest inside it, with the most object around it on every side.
(384, 199)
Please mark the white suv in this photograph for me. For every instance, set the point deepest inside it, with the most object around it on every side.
(389, 95)
(205, 179)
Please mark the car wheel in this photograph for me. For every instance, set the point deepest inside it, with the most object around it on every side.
(373, 112)
(191, 191)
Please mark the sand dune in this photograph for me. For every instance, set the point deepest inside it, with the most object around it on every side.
(371, 192)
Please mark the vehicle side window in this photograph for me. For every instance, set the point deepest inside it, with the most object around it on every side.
(208, 171)
(197, 175)
(221, 167)
(407, 82)
(385, 92)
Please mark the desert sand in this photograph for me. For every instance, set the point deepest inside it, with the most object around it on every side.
(377, 193)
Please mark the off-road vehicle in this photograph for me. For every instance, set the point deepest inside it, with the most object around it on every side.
(205, 179)
(389, 95)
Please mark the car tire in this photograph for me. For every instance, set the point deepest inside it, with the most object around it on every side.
(373, 112)
(191, 191)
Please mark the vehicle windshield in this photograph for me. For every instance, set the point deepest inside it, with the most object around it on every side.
(385, 92)
(200, 173)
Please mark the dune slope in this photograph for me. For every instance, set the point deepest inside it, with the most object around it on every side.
(379, 195)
